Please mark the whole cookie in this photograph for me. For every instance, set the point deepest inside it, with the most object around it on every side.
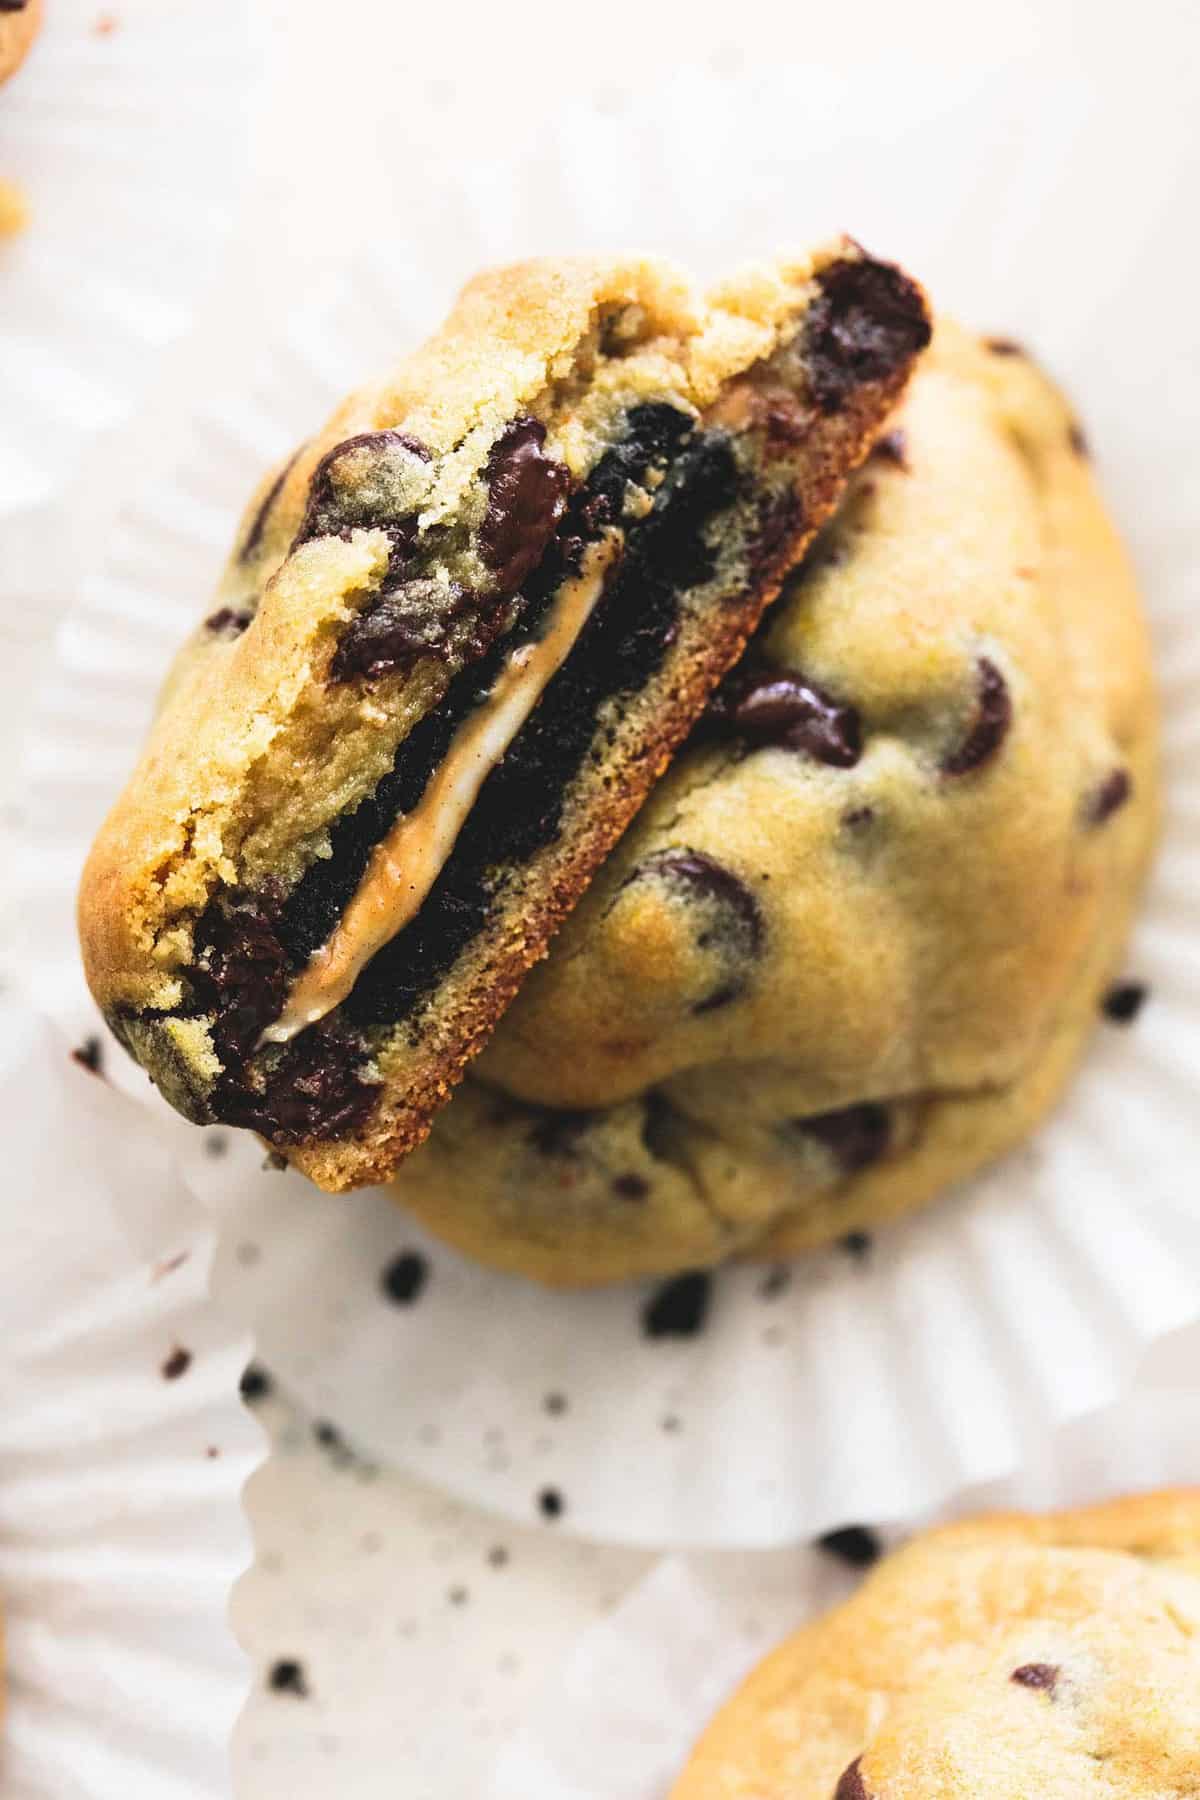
(854, 943)
(995, 1660)
(19, 22)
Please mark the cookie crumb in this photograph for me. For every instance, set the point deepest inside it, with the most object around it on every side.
(856, 1244)
(555, 1404)
(856, 1545)
(255, 1384)
(1124, 1001)
(551, 1504)
(405, 1277)
(497, 1557)
(679, 1308)
(288, 1677)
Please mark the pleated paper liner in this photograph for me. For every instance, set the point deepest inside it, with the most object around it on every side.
(870, 1387)
(123, 1450)
(124, 133)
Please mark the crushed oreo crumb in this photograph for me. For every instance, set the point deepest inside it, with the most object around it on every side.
(1124, 1001)
(551, 1504)
(679, 1308)
(89, 1055)
(405, 1277)
(854, 1544)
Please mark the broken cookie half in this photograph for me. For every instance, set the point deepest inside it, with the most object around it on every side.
(460, 636)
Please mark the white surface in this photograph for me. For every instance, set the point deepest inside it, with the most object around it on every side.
(121, 1527)
(366, 132)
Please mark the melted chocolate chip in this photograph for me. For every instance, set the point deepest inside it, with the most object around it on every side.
(89, 1055)
(177, 1364)
(853, 1544)
(729, 923)
(1109, 797)
(316, 1090)
(258, 523)
(1042, 1676)
(993, 716)
(527, 495)
(411, 620)
(366, 496)
(1124, 1001)
(630, 1187)
(851, 1785)
(679, 1308)
(1003, 346)
(867, 323)
(241, 973)
(892, 447)
(287, 1677)
(856, 1136)
(405, 1277)
(228, 621)
(779, 706)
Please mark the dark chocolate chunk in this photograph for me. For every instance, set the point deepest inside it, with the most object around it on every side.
(1042, 1676)
(631, 1186)
(679, 1308)
(851, 1785)
(258, 523)
(411, 620)
(1124, 1001)
(993, 716)
(551, 1504)
(177, 1364)
(729, 923)
(255, 1384)
(854, 1544)
(867, 322)
(1108, 798)
(355, 485)
(287, 1677)
(527, 495)
(228, 621)
(892, 447)
(856, 1136)
(315, 1090)
(89, 1055)
(405, 1277)
(779, 706)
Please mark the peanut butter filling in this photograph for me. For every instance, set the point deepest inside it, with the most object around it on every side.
(405, 865)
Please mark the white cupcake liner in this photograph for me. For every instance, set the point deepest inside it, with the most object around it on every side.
(123, 1451)
(126, 143)
(867, 1388)
(619, 1718)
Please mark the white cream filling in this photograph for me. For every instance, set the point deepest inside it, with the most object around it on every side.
(407, 862)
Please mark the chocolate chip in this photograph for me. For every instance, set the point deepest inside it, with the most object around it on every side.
(858, 817)
(258, 524)
(1002, 346)
(851, 1785)
(729, 923)
(856, 1244)
(1124, 1001)
(1042, 1676)
(631, 1186)
(993, 716)
(558, 1133)
(360, 483)
(1077, 440)
(1108, 798)
(779, 706)
(255, 1384)
(89, 1055)
(892, 447)
(868, 321)
(855, 1136)
(551, 1504)
(287, 1677)
(177, 1364)
(416, 618)
(405, 1277)
(854, 1544)
(679, 1308)
(228, 621)
(527, 495)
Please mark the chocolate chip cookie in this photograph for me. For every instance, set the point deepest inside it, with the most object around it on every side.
(460, 636)
(855, 942)
(19, 23)
(1008, 1656)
